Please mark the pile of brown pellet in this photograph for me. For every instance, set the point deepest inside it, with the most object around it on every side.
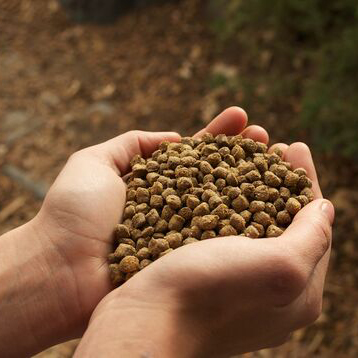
(200, 189)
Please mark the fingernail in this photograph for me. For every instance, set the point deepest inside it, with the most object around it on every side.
(328, 210)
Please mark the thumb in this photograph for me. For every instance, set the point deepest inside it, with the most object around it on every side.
(310, 233)
(121, 149)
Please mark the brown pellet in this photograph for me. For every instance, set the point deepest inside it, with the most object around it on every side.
(173, 201)
(261, 193)
(156, 246)
(262, 218)
(176, 222)
(283, 217)
(293, 206)
(184, 183)
(156, 201)
(240, 203)
(143, 253)
(260, 228)
(291, 179)
(227, 230)
(124, 250)
(273, 231)
(122, 231)
(208, 234)
(190, 240)
(256, 206)
(238, 222)
(252, 232)
(144, 263)
(208, 222)
(129, 264)
(138, 220)
(174, 240)
(152, 217)
(271, 179)
(222, 211)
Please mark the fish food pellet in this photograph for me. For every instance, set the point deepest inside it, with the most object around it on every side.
(256, 206)
(144, 263)
(293, 206)
(124, 250)
(176, 222)
(227, 230)
(174, 240)
(252, 232)
(200, 189)
(237, 222)
(138, 220)
(122, 231)
(273, 231)
(156, 246)
(208, 222)
(259, 228)
(190, 240)
(208, 234)
(129, 264)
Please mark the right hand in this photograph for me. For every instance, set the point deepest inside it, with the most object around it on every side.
(221, 296)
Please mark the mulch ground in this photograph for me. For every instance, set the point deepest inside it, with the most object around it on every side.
(64, 86)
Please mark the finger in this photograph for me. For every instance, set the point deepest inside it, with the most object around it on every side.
(308, 306)
(256, 133)
(120, 150)
(309, 239)
(231, 121)
(316, 284)
(299, 155)
(310, 233)
(282, 146)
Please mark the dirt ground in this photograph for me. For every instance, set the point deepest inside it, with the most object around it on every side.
(64, 86)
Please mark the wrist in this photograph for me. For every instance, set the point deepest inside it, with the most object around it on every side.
(132, 322)
(32, 299)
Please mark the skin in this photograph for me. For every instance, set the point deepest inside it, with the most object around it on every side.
(212, 298)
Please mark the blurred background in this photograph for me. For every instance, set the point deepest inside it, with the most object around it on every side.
(76, 72)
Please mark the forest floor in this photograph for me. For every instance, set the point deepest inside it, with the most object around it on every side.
(65, 86)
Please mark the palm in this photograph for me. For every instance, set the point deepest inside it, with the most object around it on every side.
(83, 207)
(85, 203)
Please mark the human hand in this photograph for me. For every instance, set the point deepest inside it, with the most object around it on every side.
(222, 296)
(55, 266)
(81, 210)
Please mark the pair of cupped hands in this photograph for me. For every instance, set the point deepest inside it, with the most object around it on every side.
(213, 298)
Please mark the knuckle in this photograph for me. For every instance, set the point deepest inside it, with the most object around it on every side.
(134, 133)
(280, 340)
(312, 310)
(287, 278)
(302, 146)
(93, 151)
(78, 154)
(323, 234)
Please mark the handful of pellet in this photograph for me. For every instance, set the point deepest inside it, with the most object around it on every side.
(200, 189)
